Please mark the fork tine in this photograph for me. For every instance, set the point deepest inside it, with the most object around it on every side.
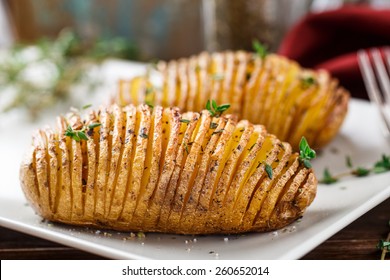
(382, 74)
(372, 89)
(369, 78)
(387, 56)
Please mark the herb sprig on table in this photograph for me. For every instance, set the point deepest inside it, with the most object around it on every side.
(384, 245)
(380, 166)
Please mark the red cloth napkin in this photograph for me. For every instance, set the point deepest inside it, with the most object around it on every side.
(330, 40)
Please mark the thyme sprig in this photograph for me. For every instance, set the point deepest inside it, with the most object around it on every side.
(80, 134)
(305, 153)
(214, 109)
(308, 81)
(260, 49)
(64, 61)
(384, 245)
(382, 165)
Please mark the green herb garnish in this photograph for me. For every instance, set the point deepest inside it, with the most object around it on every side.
(93, 125)
(260, 49)
(383, 165)
(86, 106)
(149, 90)
(328, 178)
(143, 135)
(213, 125)
(306, 153)
(186, 148)
(149, 104)
(361, 172)
(77, 135)
(216, 110)
(308, 81)
(384, 245)
(185, 121)
(268, 169)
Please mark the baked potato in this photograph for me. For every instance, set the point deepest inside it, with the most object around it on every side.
(273, 91)
(134, 168)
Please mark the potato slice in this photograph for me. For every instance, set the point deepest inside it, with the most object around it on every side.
(92, 148)
(172, 128)
(138, 164)
(237, 92)
(189, 170)
(270, 156)
(42, 170)
(76, 180)
(215, 169)
(233, 154)
(104, 155)
(152, 167)
(182, 153)
(116, 137)
(287, 209)
(246, 166)
(183, 88)
(121, 188)
(28, 180)
(209, 144)
(52, 153)
(64, 204)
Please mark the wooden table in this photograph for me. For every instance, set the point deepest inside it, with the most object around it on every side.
(357, 241)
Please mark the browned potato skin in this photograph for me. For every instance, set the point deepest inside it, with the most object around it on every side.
(204, 173)
(258, 90)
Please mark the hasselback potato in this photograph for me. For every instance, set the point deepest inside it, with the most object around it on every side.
(135, 168)
(273, 91)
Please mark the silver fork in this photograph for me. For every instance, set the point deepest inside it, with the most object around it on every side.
(380, 97)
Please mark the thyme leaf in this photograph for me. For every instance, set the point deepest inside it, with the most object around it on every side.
(214, 109)
(260, 49)
(268, 169)
(77, 135)
(185, 121)
(306, 153)
(93, 125)
(328, 178)
(213, 125)
(308, 81)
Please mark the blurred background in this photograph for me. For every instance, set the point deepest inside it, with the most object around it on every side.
(163, 29)
(67, 33)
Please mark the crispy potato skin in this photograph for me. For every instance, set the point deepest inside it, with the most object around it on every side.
(164, 171)
(276, 92)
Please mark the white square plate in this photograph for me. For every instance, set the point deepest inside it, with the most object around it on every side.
(334, 207)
